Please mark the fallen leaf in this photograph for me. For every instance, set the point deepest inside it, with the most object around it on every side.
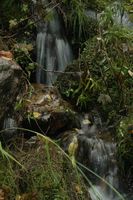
(36, 115)
(78, 189)
(86, 121)
(2, 194)
(104, 98)
(6, 55)
(130, 73)
(27, 196)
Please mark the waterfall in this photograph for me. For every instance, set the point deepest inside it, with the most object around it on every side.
(97, 151)
(8, 126)
(53, 50)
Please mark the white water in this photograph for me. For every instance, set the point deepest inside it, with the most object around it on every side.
(102, 161)
(53, 50)
(8, 127)
(97, 151)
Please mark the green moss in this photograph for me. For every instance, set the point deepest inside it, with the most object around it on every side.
(125, 145)
(103, 72)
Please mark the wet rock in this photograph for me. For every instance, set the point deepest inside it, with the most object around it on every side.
(11, 81)
(48, 113)
(67, 138)
(9, 129)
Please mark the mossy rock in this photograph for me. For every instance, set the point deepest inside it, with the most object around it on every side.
(103, 74)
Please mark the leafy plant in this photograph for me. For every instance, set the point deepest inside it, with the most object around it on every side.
(125, 145)
(75, 17)
(106, 66)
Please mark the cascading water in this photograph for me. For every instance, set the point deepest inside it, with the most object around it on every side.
(8, 127)
(97, 151)
(53, 50)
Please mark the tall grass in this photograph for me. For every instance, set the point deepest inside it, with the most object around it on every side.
(55, 177)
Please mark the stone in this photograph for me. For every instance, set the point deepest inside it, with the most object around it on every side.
(11, 82)
(48, 113)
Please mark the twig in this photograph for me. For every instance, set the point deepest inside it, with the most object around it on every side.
(58, 72)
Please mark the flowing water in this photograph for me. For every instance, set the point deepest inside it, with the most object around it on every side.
(97, 151)
(53, 50)
(8, 127)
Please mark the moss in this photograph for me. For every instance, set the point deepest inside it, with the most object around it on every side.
(125, 145)
(102, 74)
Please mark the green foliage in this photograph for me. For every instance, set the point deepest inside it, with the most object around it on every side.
(109, 61)
(17, 19)
(47, 173)
(98, 5)
(125, 145)
(76, 17)
(23, 56)
(9, 9)
(79, 26)
(106, 67)
(8, 156)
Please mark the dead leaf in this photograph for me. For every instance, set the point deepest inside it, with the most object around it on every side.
(104, 98)
(86, 121)
(130, 73)
(36, 115)
(78, 189)
(2, 194)
(27, 196)
(6, 55)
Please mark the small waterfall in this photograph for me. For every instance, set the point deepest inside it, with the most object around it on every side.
(103, 163)
(8, 126)
(53, 50)
(97, 151)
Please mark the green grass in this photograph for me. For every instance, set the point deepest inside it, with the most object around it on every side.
(42, 170)
(39, 170)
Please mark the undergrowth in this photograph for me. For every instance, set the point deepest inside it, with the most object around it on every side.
(125, 145)
(40, 169)
(43, 172)
(103, 72)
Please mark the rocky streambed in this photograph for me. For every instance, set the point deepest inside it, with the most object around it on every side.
(36, 166)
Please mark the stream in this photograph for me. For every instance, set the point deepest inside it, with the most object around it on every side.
(97, 150)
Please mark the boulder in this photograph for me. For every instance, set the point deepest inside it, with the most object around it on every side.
(47, 113)
(11, 82)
